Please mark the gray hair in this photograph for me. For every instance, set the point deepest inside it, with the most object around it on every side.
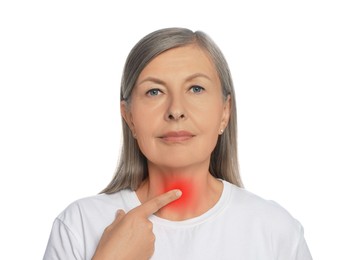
(132, 168)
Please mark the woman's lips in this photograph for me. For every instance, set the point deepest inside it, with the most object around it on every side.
(176, 136)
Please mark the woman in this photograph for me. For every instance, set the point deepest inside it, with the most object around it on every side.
(177, 191)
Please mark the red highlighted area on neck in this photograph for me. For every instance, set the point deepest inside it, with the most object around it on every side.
(188, 198)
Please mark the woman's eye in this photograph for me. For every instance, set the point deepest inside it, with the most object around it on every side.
(197, 89)
(153, 92)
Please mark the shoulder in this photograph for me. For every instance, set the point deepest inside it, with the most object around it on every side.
(78, 228)
(264, 214)
(266, 223)
(254, 204)
(101, 206)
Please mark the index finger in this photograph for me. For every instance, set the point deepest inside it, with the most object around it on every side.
(153, 205)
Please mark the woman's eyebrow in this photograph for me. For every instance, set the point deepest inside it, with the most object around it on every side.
(161, 82)
(152, 79)
(197, 75)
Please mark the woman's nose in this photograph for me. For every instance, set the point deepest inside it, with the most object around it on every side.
(176, 109)
(175, 116)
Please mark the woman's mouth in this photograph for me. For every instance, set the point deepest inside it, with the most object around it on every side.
(177, 136)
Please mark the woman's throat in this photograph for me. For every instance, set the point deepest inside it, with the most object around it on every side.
(189, 199)
(199, 194)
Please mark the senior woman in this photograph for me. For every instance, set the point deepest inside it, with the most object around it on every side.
(177, 192)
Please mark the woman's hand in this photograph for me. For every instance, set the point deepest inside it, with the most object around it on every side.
(131, 236)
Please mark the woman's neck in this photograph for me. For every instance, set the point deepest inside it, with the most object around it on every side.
(200, 191)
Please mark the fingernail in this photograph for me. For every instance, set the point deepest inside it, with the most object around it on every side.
(178, 193)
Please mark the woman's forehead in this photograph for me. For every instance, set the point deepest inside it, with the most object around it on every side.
(182, 61)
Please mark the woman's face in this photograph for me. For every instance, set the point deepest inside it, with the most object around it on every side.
(177, 109)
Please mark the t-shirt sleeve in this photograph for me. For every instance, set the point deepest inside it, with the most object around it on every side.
(288, 232)
(63, 244)
(301, 251)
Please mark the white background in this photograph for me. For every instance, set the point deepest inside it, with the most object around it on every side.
(60, 68)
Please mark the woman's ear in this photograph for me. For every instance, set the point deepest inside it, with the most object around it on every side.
(226, 113)
(127, 116)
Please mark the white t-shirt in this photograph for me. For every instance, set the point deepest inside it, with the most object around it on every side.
(240, 226)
